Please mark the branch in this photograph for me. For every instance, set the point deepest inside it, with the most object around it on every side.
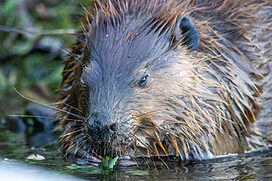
(38, 32)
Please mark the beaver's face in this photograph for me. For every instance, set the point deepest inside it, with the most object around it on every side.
(134, 83)
(131, 74)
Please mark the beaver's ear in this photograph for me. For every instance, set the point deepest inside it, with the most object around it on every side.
(185, 32)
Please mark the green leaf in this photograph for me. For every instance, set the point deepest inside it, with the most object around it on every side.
(108, 163)
(112, 162)
(73, 166)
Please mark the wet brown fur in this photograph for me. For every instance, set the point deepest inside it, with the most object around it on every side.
(220, 100)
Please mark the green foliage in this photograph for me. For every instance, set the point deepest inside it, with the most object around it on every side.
(7, 11)
(108, 163)
(28, 67)
(21, 48)
(105, 166)
(75, 167)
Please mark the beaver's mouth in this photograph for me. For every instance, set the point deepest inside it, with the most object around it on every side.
(93, 158)
(99, 146)
(108, 142)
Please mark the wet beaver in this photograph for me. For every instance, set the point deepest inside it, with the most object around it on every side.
(162, 77)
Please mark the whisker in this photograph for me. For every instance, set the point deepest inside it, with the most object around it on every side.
(72, 132)
(30, 116)
(165, 164)
(73, 56)
(73, 107)
(83, 141)
(46, 105)
(76, 120)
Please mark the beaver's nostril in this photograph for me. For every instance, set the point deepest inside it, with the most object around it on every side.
(100, 128)
(113, 127)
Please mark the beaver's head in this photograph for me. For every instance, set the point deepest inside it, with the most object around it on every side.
(142, 88)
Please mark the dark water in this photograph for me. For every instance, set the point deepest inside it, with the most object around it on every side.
(17, 146)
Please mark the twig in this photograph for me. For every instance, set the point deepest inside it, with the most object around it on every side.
(38, 32)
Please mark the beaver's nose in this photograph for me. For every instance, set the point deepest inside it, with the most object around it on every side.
(100, 128)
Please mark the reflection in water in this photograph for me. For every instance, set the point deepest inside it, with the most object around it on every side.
(257, 165)
(17, 171)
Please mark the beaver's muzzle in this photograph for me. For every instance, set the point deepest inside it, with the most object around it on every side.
(100, 128)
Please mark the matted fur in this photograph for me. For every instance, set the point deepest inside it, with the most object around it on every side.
(201, 105)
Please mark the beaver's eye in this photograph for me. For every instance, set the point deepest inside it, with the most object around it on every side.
(143, 81)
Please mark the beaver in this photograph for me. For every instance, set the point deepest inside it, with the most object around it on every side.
(161, 78)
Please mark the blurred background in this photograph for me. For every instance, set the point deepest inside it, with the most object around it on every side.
(35, 36)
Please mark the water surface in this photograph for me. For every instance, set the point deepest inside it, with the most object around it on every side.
(18, 146)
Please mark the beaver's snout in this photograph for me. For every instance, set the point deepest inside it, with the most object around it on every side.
(100, 128)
